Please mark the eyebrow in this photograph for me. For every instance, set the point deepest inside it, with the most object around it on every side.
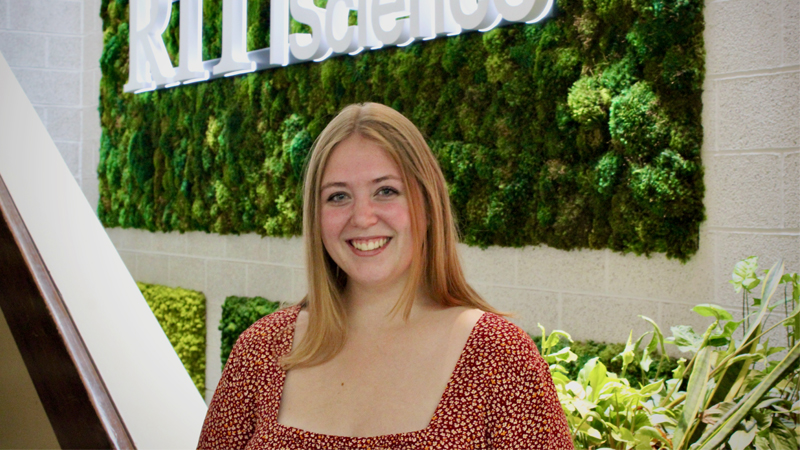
(343, 184)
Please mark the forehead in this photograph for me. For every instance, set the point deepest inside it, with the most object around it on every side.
(356, 159)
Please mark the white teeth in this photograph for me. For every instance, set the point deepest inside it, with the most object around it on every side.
(366, 246)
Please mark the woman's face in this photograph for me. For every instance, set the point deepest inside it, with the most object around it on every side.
(365, 219)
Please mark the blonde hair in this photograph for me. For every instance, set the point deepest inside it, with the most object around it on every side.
(435, 264)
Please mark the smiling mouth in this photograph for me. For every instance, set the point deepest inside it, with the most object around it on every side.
(366, 245)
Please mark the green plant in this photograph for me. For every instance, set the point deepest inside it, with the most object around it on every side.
(582, 131)
(731, 394)
(238, 313)
(609, 355)
(182, 315)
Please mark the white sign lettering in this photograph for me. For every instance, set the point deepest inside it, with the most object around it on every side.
(380, 23)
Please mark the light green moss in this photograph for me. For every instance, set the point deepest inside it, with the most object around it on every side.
(182, 315)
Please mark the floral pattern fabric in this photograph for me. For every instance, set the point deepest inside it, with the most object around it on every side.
(500, 396)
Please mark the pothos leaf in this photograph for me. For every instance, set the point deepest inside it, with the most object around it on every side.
(646, 360)
(780, 438)
(741, 439)
(597, 378)
(685, 338)
(623, 435)
(762, 443)
(710, 310)
(627, 354)
(657, 334)
(555, 337)
(744, 274)
(652, 388)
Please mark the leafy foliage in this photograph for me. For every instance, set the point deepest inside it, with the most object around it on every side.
(583, 131)
(182, 315)
(609, 355)
(238, 313)
(733, 394)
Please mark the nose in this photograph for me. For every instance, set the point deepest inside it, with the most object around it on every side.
(363, 213)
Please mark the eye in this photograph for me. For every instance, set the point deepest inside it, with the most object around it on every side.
(337, 197)
(387, 191)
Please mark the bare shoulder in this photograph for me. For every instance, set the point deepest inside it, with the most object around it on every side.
(467, 318)
(300, 327)
(302, 319)
(460, 321)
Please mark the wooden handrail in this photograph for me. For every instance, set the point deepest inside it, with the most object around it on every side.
(76, 400)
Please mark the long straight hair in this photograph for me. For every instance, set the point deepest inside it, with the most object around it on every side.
(435, 265)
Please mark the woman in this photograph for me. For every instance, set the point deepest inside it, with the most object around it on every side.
(391, 348)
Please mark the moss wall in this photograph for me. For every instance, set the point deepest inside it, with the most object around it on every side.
(182, 315)
(581, 131)
(238, 313)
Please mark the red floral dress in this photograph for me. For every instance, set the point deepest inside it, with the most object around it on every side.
(500, 396)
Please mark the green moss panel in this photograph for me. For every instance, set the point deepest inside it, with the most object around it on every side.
(582, 131)
(182, 315)
(238, 313)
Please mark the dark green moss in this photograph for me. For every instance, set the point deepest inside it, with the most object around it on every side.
(581, 131)
(238, 313)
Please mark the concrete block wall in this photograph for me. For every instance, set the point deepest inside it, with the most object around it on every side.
(53, 47)
(752, 143)
(218, 266)
(751, 155)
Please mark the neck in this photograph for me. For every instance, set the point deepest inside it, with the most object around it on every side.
(370, 307)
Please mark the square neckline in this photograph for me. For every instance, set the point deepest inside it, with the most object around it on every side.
(436, 413)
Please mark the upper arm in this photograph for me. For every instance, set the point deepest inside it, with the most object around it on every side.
(524, 411)
(230, 420)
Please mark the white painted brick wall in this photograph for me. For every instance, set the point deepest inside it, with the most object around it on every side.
(751, 152)
(791, 32)
(42, 41)
(758, 111)
(742, 35)
(731, 202)
(24, 49)
(4, 19)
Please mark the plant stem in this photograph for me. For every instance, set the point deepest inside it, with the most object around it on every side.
(796, 387)
(580, 425)
(744, 313)
(786, 314)
(677, 401)
(632, 419)
(669, 394)
(663, 357)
